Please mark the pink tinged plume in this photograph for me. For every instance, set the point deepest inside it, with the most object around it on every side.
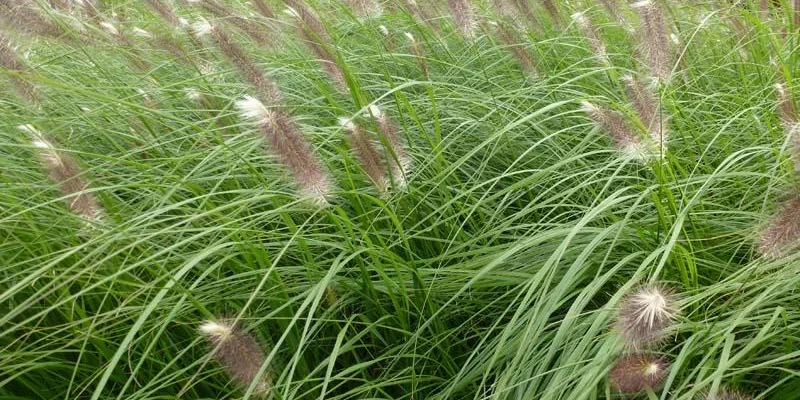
(787, 112)
(463, 16)
(636, 372)
(22, 16)
(514, 45)
(647, 108)
(783, 233)
(319, 42)
(726, 394)
(293, 151)
(419, 53)
(645, 317)
(247, 26)
(10, 61)
(398, 159)
(265, 88)
(367, 154)
(654, 44)
(589, 30)
(239, 354)
(625, 139)
(65, 171)
(264, 9)
(366, 9)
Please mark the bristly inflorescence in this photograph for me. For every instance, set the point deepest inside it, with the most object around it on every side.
(366, 9)
(625, 138)
(654, 44)
(398, 159)
(288, 144)
(65, 171)
(265, 88)
(727, 394)
(367, 154)
(239, 353)
(463, 16)
(645, 316)
(782, 234)
(636, 372)
(319, 41)
(647, 107)
(590, 31)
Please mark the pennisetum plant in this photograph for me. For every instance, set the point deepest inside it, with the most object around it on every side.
(654, 44)
(65, 171)
(463, 16)
(10, 61)
(366, 9)
(646, 105)
(239, 354)
(508, 36)
(419, 53)
(246, 25)
(637, 372)
(727, 394)
(367, 154)
(23, 17)
(645, 316)
(263, 8)
(783, 233)
(264, 87)
(288, 144)
(625, 138)
(319, 41)
(398, 159)
(590, 31)
(551, 8)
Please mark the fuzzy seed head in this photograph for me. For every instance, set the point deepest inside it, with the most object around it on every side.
(410, 37)
(626, 140)
(142, 33)
(463, 17)
(384, 30)
(110, 28)
(65, 171)
(202, 27)
(238, 353)
(253, 109)
(726, 394)
(645, 316)
(637, 372)
(783, 233)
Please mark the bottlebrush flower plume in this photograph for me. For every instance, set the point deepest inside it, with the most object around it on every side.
(10, 61)
(65, 171)
(508, 36)
(263, 8)
(398, 159)
(783, 233)
(367, 154)
(265, 88)
(654, 44)
(238, 352)
(463, 16)
(726, 394)
(319, 42)
(589, 30)
(288, 144)
(786, 107)
(637, 372)
(625, 139)
(647, 108)
(247, 26)
(419, 53)
(645, 316)
(366, 8)
(22, 16)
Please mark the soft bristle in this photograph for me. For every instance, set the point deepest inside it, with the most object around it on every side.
(783, 233)
(645, 316)
(202, 27)
(636, 372)
(253, 109)
(239, 353)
